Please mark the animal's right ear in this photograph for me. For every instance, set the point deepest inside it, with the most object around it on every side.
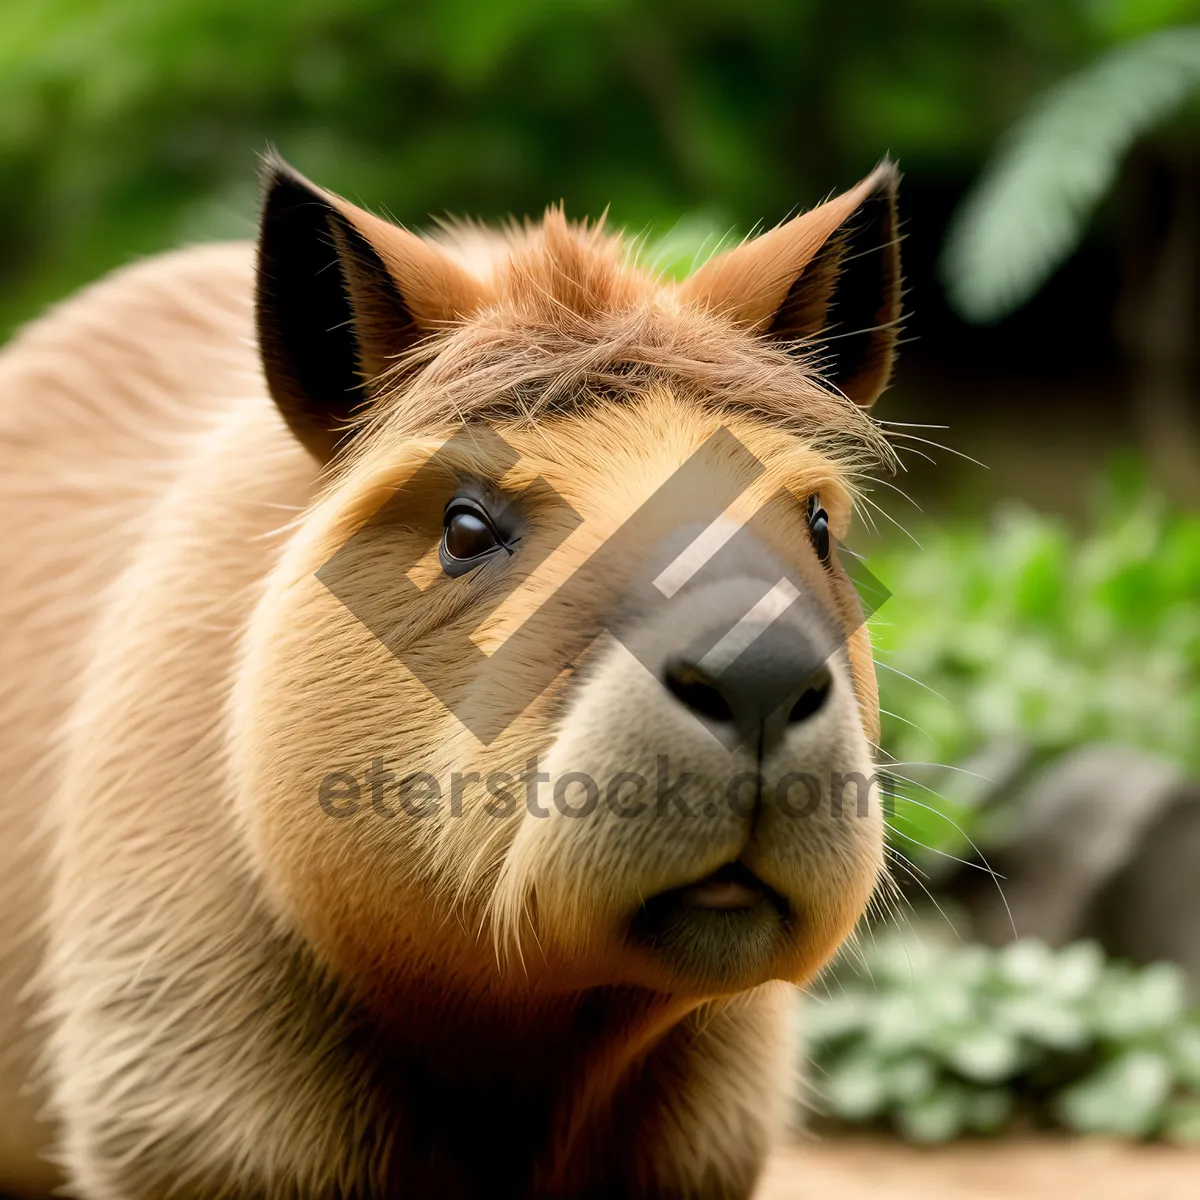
(340, 295)
(828, 279)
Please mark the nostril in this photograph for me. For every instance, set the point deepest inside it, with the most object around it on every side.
(813, 697)
(745, 699)
(692, 687)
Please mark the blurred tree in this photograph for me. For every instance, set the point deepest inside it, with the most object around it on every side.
(130, 125)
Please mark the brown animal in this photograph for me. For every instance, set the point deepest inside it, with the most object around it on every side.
(275, 921)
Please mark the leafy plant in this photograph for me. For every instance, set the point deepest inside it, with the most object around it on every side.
(936, 1042)
(127, 126)
(1019, 633)
(1031, 205)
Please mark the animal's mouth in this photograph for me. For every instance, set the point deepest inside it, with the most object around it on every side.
(723, 928)
(728, 889)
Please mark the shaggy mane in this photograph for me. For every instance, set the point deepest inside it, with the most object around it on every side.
(573, 320)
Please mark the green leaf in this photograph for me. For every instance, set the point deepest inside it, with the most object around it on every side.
(988, 1111)
(911, 1078)
(855, 1090)
(943, 1039)
(1141, 1003)
(1078, 969)
(938, 1117)
(1026, 963)
(1126, 1097)
(1044, 1022)
(1181, 1122)
(984, 1055)
(1183, 1053)
(1029, 209)
(840, 1015)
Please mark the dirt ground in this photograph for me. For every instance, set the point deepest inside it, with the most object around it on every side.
(1034, 1169)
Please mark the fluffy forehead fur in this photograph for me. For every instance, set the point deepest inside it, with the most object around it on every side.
(566, 316)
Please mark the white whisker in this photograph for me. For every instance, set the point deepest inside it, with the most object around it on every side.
(908, 870)
(867, 500)
(938, 446)
(895, 671)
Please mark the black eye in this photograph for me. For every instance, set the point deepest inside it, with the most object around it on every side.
(468, 536)
(818, 527)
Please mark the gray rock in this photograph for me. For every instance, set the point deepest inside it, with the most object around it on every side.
(1108, 847)
(1151, 908)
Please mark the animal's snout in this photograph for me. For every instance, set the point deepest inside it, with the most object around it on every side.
(750, 673)
(757, 692)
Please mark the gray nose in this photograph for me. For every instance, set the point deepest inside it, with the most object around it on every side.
(729, 645)
(777, 682)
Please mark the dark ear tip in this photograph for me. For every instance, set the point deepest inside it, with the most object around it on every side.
(272, 167)
(278, 178)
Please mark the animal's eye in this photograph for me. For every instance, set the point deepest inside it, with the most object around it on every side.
(818, 527)
(468, 536)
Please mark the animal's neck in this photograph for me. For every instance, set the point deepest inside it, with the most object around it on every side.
(540, 1044)
(537, 1082)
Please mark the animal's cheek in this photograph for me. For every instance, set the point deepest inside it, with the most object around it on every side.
(862, 673)
(372, 815)
(317, 701)
(820, 834)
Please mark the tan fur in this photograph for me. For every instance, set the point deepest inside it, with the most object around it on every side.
(238, 995)
(751, 283)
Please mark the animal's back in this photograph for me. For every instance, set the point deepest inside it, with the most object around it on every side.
(101, 401)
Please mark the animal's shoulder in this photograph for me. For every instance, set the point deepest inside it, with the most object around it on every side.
(150, 346)
(193, 291)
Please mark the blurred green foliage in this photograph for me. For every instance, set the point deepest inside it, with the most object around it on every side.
(936, 1042)
(131, 125)
(1018, 632)
(1033, 202)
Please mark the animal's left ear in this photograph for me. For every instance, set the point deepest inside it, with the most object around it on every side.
(829, 278)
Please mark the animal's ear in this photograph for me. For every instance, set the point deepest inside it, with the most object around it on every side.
(830, 277)
(340, 295)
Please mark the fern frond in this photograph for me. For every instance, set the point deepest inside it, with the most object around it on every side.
(1030, 207)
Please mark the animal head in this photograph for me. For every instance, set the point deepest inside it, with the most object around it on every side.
(560, 683)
